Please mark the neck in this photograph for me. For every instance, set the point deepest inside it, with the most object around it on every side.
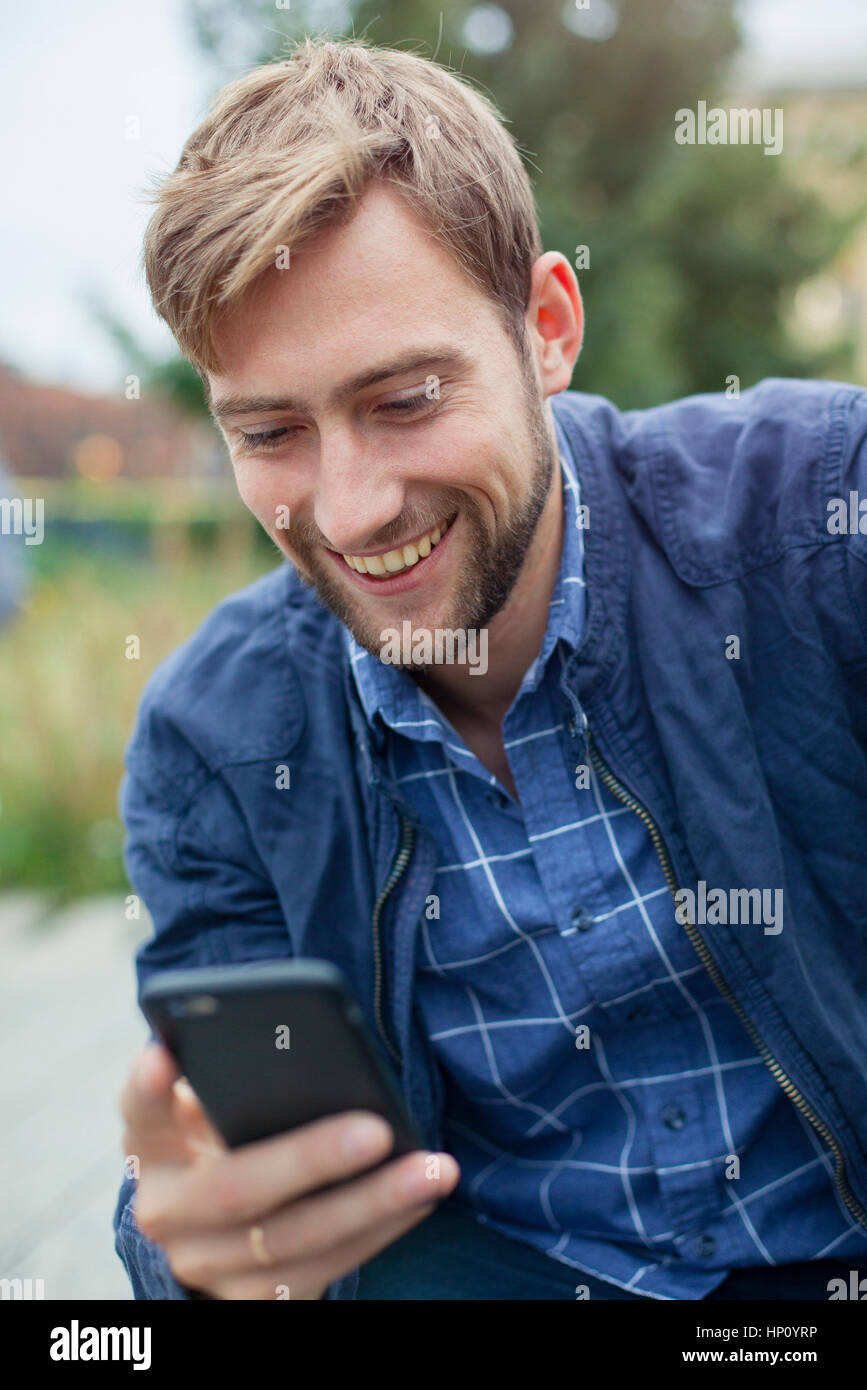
(515, 635)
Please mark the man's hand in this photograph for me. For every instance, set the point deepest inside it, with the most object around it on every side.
(198, 1199)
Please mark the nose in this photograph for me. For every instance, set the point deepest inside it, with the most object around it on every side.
(358, 491)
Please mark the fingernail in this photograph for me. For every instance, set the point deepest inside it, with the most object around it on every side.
(364, 1137)
(146, 1072)
(140, 1069)
(440, 1170)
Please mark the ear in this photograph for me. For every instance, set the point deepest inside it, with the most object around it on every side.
(555, 320)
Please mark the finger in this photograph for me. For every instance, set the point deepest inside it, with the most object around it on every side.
(317, 1223)
(237, 1187)
(306, 1229)
(201, 1136)
(310, 1279)
(147, 1093)
(148, 1106)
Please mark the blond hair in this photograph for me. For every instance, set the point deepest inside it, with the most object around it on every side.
(288, 149)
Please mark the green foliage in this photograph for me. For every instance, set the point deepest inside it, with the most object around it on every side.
(179, 382)
(70, 708)
(173, 378)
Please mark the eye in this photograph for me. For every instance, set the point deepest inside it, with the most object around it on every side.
(267, 439)
(272, 439)
(408, 404)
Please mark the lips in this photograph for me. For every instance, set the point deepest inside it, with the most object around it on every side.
(389, 562)
(408, 577)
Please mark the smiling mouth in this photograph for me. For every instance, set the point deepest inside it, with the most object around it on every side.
(391, 562)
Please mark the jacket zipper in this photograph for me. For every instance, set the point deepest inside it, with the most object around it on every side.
(791, 1090)
(401, 860)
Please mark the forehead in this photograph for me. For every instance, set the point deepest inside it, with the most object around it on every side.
(362, 290)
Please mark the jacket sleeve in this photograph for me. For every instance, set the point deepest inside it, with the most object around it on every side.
(853, 497)
(192, 861)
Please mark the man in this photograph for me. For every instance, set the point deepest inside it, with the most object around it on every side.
(597, 882)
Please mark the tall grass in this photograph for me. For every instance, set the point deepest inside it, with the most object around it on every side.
(68, 693)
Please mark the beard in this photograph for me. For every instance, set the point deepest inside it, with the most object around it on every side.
(494, 561)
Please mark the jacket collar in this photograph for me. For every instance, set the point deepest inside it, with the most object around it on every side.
(589, 423)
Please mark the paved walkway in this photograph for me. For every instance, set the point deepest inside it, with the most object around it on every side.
(69, 1025)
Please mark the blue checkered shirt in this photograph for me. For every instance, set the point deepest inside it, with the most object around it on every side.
(663, 1153)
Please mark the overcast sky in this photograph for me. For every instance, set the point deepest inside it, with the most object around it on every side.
(73, 215)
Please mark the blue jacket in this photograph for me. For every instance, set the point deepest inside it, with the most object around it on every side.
(710, 519)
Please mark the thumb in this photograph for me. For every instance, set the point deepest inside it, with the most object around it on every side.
(200, 1136)
(147, 1105)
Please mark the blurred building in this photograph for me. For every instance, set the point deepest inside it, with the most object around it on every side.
(54, 432)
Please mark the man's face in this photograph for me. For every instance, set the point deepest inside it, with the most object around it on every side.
(430, 479)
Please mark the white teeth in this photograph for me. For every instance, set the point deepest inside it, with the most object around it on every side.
(393, 561)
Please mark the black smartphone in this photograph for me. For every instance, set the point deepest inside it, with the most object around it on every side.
(271, 1046)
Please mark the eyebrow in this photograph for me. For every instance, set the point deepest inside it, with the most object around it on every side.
(436, 356)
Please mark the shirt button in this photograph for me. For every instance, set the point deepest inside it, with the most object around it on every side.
(581, 918)
(496, 798)
(706, 1247)
(673, 1117)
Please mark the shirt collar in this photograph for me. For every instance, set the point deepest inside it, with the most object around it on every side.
(390, 694)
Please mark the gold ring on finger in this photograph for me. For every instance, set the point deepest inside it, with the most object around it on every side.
(258, 1246)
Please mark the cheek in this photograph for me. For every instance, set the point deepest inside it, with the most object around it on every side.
(488, 473)
(262, 494)
(467, 454)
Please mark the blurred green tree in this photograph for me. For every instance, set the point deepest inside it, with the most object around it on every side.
(693, 252)
(172, 377)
